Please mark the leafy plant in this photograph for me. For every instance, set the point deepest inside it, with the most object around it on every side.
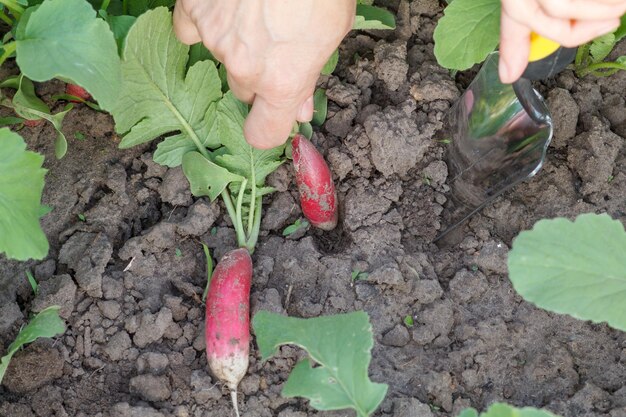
(408, 321)
(357, 275)
(505, 410)
(577, 268)
(590, 58)
(335, 376)
(45, 324)
(295, 226)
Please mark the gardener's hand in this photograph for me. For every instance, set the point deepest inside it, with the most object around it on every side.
(568, 22)
(273, 51)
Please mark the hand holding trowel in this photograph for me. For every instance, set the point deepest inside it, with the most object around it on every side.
(499, 132)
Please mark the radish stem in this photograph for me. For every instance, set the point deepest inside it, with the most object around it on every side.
(238, 219)
(6, 19)
(251, 213)
(9, 48)
(232, 213)
(254, 236)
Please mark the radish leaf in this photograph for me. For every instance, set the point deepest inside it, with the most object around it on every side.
(340, 345)
(320, 106)
(505, 410)
(467, 33)
(45, 324)
(372, 17)
(205, 177)
(238, 156)
(331, 64)
(601, 47)
(86, 53)
(577, 268)
(21, 185)
(157, 97)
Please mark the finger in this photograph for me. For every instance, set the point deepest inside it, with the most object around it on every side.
(514, 49)
(582, 9)
(573, 34)
(268, 125)
(239, 90)
(306, 110)
(184, 28)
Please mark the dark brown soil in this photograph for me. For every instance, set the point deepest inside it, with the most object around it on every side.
(131, 275)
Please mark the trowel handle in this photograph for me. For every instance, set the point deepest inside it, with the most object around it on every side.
(547, 58)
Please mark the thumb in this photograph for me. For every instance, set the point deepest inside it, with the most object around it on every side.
(514, 49)
(268, 125)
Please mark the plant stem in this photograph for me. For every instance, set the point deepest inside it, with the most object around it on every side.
(254, 236)
(238, 220)
(581, 55)
(6, 19)
(232, 213)
(594, 68)
(124, 6)
(15, 8)
(9, 48)
(105, 5)
(251, 213)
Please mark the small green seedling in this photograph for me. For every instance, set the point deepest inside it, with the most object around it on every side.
(178, 253)
(358, 275)
(81, 217)
(408, 321)
(590, 58)
(505, 410)
(295, 226)
(79, 135)
(45, 324)
(32, 282)
(209, 270)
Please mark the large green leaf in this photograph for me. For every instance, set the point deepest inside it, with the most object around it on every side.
(372, 17)
(340, 345)
(45, 324)
(505, 410)
(577, 268)
(21, 185)
(205, 177)
(239, 156)
(157, 96)
(64, 39)
(467, 33)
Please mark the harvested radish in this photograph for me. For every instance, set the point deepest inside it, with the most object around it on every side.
(77, 91)
(33, 123)
(227, 330)
(318, 197)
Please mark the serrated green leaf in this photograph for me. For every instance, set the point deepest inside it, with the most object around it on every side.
(331, 64)
(601, 47)
(339, 344)
(157, 97)
(239, 157)
(467, 33)
(372, 17)
(45, 324)
(620, 33)
(21, 185)
(205, 177)
(577, 268)
(320, 106)
(65, 39)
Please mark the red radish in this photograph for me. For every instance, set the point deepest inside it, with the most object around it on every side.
(77, 91)
(227, 330)
(318, 197)
(33, 123)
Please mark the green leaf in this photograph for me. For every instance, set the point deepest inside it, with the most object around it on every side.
(239, 157)
(601, 47)
(371, 17)
(467, 33)
(620, 33)
(331, 64)
(408, 321)
(320, 107)
(339, 344)
(306, 129)
(297, 225)
(9, 121)
(209, 269)
(621, 60)
(198, 52)
(205, 177)
(577, 268)
(157, 98)
(120, 25)
(21, 185)
(139, 7)
(33, 282)
(65, 39)
(45, 324)
(469, 412)
(79, 135)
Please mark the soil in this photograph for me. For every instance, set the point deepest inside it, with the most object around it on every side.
(130, 276)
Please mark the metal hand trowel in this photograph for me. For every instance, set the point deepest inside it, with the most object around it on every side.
(499, 133)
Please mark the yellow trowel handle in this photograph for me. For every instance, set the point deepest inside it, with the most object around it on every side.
(547, 58)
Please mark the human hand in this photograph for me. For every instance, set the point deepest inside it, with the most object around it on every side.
(273, 52)
(568, 22)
